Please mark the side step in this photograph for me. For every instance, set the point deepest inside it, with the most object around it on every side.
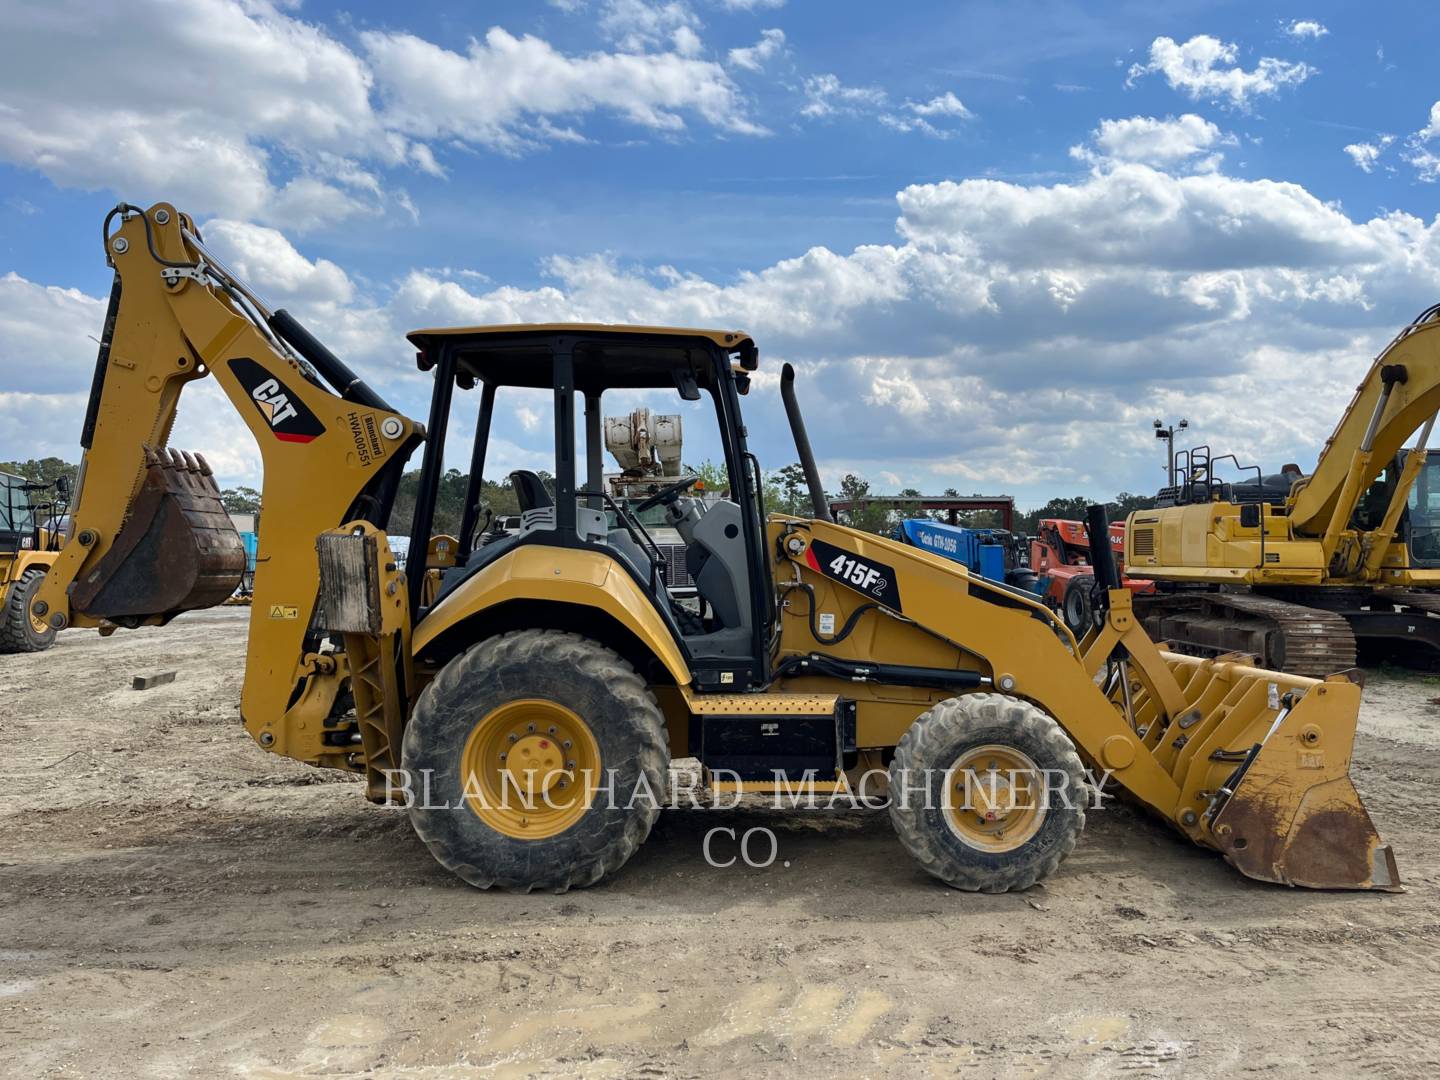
(763, 738)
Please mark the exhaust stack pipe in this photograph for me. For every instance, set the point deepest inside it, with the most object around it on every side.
(818, 501)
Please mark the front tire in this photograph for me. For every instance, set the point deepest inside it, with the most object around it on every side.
(987, 793)
(538, 759)
(1079, 604)
(18, 630)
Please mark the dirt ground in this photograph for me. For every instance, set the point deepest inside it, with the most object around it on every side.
(176, 902)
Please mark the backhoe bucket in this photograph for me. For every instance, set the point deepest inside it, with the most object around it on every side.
(177, 550)
(1289, 813)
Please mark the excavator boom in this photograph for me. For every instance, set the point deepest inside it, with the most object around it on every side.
(1399, 395)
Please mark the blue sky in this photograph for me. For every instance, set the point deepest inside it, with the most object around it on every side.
(997, 238)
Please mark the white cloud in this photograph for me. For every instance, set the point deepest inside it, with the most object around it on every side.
(265, 254)
(45, 343)
(1366, 155)
(1008, 330)
(1206, 68)
(751, 5)
(1432, 129)
(211, 103)
(947, 104)
(916, 116)
(238, 108)
(640, 25)
(1163, 143)
(826, 95)
(755, 57)
(1306, 28)
(1425, 161)
(502, 92)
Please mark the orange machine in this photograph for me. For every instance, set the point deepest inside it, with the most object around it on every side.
(1060, 557)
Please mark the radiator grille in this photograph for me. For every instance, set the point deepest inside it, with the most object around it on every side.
(1143, 542)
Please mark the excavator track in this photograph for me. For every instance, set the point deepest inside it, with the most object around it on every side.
(1414, 600)
(1292, 637)
(1400, 624)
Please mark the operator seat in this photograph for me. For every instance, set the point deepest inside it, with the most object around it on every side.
(530, 490)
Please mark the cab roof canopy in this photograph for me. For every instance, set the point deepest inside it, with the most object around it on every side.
(605, 356)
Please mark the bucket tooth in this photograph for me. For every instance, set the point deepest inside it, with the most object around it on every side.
(1294, 817)
(177, 550)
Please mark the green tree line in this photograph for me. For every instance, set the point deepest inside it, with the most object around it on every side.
(785, 492)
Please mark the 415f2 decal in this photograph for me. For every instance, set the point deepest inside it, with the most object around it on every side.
(875, 579)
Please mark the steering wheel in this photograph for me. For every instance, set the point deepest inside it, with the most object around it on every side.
(667, 495)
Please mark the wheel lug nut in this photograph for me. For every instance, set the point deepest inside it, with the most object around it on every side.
(566, 744)
(552, 729)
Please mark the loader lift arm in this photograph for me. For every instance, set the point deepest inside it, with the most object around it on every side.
(146, 515)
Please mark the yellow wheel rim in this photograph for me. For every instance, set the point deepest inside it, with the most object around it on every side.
(995, 798)
(530, 768)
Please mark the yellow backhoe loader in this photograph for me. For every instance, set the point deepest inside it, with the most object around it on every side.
(1292, 568)
(523, 693)
(31, 514)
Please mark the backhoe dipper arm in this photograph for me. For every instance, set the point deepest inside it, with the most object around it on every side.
(150, 538)
(1399, 394)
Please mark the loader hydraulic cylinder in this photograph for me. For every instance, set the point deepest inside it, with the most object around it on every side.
(1102, 558)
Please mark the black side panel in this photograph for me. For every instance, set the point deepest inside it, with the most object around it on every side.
(757, 747)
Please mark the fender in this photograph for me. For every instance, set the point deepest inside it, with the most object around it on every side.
(576, 576)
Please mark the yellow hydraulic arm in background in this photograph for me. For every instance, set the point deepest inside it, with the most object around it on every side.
(1399, 394)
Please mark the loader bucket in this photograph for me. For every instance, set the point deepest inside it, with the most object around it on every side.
(176, 551)
(1289, 813)
(1262, 759)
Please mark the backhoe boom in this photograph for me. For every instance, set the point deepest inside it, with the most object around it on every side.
(144, 515)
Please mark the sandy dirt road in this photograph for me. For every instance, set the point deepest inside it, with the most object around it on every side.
(176, 902)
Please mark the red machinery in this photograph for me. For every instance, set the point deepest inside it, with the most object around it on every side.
(1060, 557)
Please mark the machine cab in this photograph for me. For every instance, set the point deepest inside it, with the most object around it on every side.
(709, 582)
(1419, 526)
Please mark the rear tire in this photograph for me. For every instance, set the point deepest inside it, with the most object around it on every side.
(17, 631)
(502, 695)
(1078, 608)
(951, 841)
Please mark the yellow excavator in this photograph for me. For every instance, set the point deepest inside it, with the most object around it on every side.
(522, 693)
(1293, 569)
